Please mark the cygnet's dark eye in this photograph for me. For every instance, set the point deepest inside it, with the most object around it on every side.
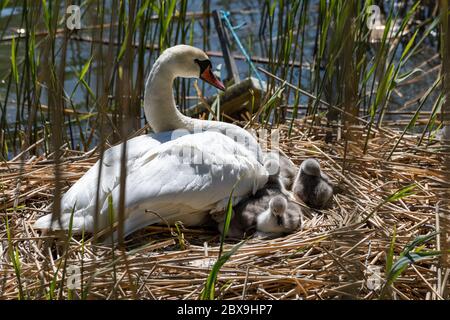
(204, 64)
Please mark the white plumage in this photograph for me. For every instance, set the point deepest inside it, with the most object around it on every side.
(81, 197)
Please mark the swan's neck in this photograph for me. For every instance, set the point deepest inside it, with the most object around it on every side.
(163, 115)
(159, 102)
(160, 108)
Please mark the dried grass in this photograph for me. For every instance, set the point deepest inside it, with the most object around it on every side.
(329, 258)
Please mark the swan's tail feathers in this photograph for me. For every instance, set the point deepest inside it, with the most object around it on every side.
(63, 223)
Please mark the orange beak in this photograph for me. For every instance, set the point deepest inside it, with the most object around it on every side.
(209, 77)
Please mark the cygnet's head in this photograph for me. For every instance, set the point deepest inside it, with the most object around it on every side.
(277, 207)
(272, 166)
(189, 62)
(310, 167)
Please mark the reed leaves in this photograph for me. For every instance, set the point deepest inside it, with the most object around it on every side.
(412, 253)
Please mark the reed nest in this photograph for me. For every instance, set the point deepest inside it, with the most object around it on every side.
(335, 254)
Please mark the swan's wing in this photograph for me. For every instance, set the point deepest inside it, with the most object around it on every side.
(186, 178)
(83, 192)
(81, 197)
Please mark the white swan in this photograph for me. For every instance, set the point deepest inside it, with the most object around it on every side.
(160, 177)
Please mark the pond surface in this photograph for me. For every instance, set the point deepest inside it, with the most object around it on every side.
(246, 13)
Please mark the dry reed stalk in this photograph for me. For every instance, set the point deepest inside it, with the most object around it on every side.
(330, 258)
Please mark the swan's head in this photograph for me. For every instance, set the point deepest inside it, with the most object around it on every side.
(277, 207)
(190, 62)
(310, 167)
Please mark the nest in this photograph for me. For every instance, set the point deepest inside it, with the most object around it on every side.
(340, 252)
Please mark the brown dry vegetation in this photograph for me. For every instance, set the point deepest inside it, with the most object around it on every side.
(331, 257)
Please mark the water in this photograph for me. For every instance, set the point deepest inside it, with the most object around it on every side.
(246, 11)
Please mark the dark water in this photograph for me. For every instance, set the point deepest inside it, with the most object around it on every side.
(246, 12)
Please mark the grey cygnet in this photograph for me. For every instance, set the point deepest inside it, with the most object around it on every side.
(312, 186)
(287, 169)
(279, 218)
(245, 214)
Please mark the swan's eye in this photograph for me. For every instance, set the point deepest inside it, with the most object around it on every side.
(203, 64)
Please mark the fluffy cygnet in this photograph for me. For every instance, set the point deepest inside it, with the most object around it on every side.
(312, 186)
(246, 213)
(279, 218)
(287, 170)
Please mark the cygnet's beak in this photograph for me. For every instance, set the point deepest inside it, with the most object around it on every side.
(208, 76)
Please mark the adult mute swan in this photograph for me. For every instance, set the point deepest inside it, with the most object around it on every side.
(183, 171)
